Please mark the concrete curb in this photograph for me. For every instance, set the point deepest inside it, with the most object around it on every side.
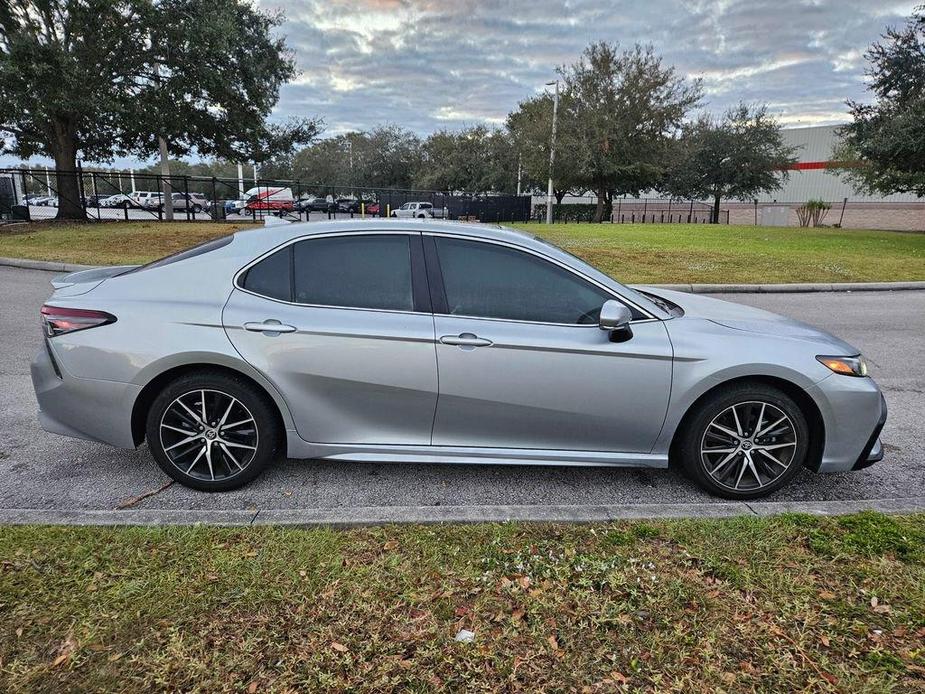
(42, 265)
(379, 515)
(792, 288)
(689, 288)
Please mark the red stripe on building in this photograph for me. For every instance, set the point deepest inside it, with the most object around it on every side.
(812, 165)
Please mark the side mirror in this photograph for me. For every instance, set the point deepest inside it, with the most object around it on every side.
(615, 318)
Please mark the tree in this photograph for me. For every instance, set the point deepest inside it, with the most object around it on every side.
(99, 78)
(625, 107)
(888, 136)
(739, 156)
(476, 159)
(530, 127)
(385, 157)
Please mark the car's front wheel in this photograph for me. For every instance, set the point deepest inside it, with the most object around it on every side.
(212, 431)
(745, 441)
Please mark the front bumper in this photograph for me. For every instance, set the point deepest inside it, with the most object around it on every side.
(873, 450)
(85, 408)
(853, 413)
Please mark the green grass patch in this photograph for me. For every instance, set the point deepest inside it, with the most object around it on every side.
(107, 243)
(633, 253)
(704, 253)
(740, 604)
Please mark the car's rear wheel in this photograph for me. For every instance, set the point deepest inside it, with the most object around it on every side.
(745, 441)
(212, 432)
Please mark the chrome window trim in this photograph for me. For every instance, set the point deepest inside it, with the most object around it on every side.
(607, 290)
(358, 232)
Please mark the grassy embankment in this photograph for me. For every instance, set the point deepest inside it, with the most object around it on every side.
(792, 603)
(634, 253)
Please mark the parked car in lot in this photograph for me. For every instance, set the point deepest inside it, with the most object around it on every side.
(435, 342)
(372, 207)
(323, 204)
(420, 210)
(147, 200)
(194, 202)
(118, 200)
(40, 200)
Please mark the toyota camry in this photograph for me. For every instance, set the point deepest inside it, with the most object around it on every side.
(435, 342)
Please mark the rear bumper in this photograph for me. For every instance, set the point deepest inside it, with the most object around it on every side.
(85, 408)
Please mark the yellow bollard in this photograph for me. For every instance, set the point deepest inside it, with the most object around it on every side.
(388, 210)
(362, 210)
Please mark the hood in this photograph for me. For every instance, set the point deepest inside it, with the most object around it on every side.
(83, 281)
(748, 318)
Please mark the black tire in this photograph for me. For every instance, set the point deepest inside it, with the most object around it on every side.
(747, 400)
(266, 436)
(197, 209)
(393, 215)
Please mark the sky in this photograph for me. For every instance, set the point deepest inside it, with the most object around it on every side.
(432, 64)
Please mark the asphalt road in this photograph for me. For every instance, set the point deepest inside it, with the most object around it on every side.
(42, 471)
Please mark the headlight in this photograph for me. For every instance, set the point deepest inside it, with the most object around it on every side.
(846, 366)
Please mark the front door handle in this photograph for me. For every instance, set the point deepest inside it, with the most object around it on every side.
(269, 326)
(465, 340)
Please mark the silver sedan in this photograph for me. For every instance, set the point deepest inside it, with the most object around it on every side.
(438, 342)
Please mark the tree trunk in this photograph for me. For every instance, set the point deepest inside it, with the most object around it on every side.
(66, 178)
(716, 199)
(599, 211)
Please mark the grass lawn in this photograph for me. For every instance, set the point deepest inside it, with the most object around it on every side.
(681, 253)
(644, 253)
(781, 604)
(112, 243)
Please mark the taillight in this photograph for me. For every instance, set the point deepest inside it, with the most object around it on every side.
(58, 321)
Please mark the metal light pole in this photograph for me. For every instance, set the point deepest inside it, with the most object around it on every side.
(552, 151)
(167, 190)
(240, 181)
(519, 170)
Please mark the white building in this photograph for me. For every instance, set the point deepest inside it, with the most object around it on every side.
(816, 174)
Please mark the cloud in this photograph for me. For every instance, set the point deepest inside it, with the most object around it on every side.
(444, 64)
(432, 64)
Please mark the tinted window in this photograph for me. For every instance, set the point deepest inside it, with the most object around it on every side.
(271, 276)
(490, 281)
(355, 271)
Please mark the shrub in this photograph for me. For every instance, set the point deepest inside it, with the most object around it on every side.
(812, 212)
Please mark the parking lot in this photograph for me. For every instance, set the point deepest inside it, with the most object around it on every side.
(42, 471)
(38, 213)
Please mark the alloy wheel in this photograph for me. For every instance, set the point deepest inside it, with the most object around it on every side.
(209, 435)
(748, 446)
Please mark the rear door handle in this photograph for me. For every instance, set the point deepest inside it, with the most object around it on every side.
(269, 326)
(465, 340)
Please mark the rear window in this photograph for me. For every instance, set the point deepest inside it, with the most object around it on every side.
(201, 249)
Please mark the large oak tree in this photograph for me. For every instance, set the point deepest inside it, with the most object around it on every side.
(626, 106)
(887, 137)
(738, 156)
(93, 79)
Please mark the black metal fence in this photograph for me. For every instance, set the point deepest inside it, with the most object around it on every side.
(634, 211)
(36, 194)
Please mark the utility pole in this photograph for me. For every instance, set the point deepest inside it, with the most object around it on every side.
(240, 181)
(166, 191)
(519, 171)
(552, 151)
